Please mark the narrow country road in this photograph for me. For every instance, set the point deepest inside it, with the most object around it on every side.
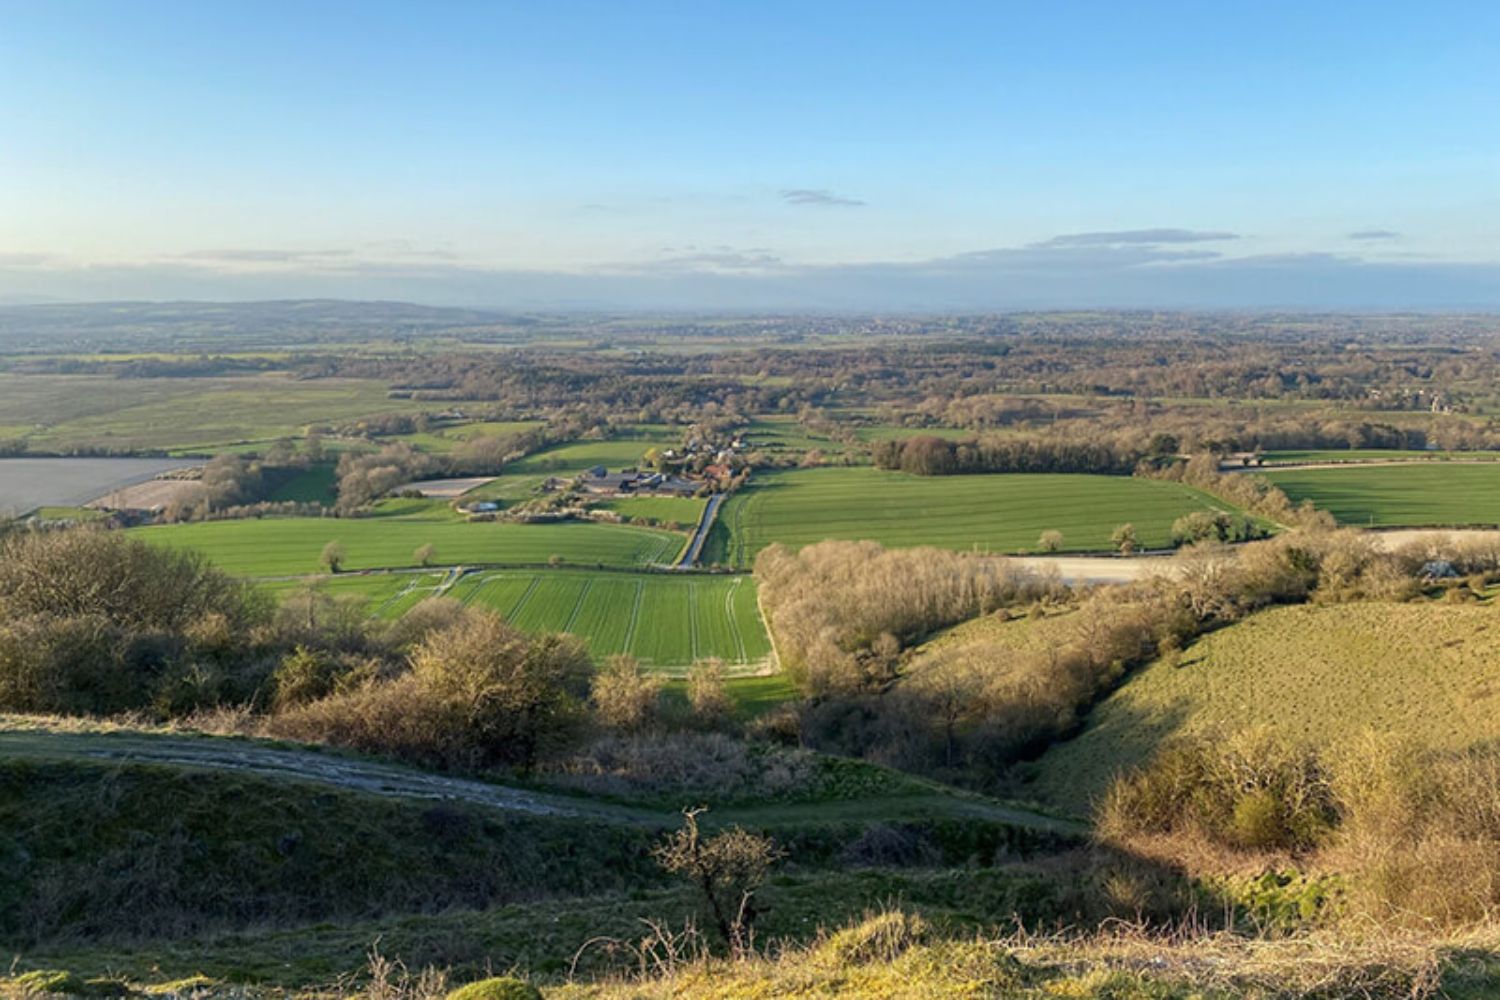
(695, 546)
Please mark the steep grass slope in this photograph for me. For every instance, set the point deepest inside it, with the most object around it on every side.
(1317, 674)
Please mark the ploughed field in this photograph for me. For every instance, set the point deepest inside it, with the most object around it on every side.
(994, 513)
(1318, 675)
(292, 546)
(1413, 495)
(664, 620)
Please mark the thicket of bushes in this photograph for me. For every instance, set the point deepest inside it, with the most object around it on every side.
(843, 611)
(94, 622)
(1414, 834)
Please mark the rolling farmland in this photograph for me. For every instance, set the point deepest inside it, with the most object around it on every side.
(1408, 495)
(998, 513)
(291, 546)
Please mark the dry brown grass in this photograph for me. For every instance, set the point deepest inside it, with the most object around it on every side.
(895, 955)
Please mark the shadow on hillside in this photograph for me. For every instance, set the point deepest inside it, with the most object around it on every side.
(1113, 738)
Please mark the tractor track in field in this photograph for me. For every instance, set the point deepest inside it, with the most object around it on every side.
(351, 774)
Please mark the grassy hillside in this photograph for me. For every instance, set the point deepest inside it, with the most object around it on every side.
(293, 545)
(1318, 674)
(999, 513)
(157, 851)
(1415, 494)
(131, 852)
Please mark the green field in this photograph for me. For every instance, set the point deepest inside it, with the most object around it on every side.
(64, 411)
(1317, 674)
(665, 620)
(317, 484)
(446, 439)
(995, 513)
(685, 511)
(1419, 494)
(1374, 455)
(292, 545)
(581, 455)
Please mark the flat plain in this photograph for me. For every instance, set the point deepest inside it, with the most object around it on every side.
(994, 513)
(180, 414)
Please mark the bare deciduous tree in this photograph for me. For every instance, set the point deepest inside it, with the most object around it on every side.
(727, 868)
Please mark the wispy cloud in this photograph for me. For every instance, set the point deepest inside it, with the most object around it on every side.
(1372, 235)
(1139, 268)
(818, 196)
(241, 255)
(1121, 237)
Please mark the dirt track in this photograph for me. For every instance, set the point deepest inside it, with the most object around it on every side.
(1395, 539)
(1097, 569)
(1107, 569)
(368, 777)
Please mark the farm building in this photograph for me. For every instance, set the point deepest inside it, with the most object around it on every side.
(600, 481)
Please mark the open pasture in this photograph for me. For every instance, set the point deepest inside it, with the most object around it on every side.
(442, 440)
(1411, 495)
(664, 620)
(293, 546)
(994, 513)
(684, 511)
(573, 458)
(1318, 675)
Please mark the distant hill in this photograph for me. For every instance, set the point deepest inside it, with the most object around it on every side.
(219, 326)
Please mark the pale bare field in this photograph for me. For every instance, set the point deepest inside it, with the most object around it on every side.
(150, 495)
(446, 489)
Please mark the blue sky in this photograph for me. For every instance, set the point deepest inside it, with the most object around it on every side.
(692, 155)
